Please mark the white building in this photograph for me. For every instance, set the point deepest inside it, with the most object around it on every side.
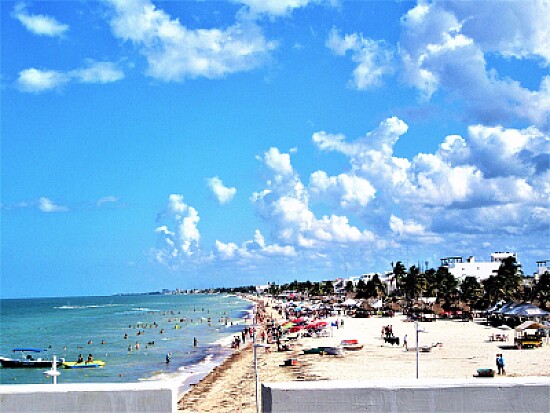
(542, 267)
(472, 268)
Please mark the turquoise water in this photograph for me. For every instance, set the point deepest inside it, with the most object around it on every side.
(71, 326)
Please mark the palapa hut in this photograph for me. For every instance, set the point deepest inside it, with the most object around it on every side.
(530, 334)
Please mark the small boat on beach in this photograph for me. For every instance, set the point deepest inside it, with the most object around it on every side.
(333, 350)
(351, 345)
(314, 350)
(83, 364)
(26, 359)
(330, 350)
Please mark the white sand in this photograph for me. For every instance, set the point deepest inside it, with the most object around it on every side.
(465, 348)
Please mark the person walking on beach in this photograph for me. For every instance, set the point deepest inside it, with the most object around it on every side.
(405, 343)
(501, 363)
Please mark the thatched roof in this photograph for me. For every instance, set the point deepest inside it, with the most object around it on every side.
(437, 309)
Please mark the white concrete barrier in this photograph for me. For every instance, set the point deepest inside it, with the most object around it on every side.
(519, 394)
(91, 397)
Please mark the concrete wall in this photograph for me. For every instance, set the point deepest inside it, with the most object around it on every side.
(531, 394)
(97, 397)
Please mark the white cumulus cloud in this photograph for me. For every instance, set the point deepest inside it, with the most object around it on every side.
(348, 190)
(180, 237)
(444, 46)
(492, 169)
(222, 193)
(175, 52)
(278, 162)
(374, 58)
(47, 205)
(38, 80)
(98, 72)
(38, 24)
(277, 8)
(285, 205)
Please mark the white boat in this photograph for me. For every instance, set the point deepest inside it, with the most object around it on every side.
(351, 345)
(27, 360)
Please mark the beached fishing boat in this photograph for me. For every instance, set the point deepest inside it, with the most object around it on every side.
(314, 350)
(333, 350)
(330, 350)
(83, 364)
(351, 345)
(26, 359)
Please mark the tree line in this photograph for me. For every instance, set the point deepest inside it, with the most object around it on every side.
(507, 283)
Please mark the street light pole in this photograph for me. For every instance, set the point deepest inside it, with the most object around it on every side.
(256, 369)
(416, 328)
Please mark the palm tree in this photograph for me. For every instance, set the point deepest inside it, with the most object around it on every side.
(361, 290)
(471, 291)
(505, 283)
(431, 282)
(374, 287)
(399, 273)
(446, 283)
(328, 288)
(541, 289)
(510, 275)
(413, 284)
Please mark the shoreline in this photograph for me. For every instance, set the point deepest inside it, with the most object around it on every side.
(208, 367)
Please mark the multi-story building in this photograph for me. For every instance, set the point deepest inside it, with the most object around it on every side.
(472, 268)
(542, 267)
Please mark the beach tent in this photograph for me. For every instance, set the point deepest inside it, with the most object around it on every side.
(499, 305)
(526, 310)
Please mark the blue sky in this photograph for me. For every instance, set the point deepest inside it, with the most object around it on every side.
(150, 145)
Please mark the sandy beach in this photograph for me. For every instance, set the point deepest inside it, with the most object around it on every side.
(457, 350)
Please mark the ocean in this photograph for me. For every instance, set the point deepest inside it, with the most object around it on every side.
(110, 327)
